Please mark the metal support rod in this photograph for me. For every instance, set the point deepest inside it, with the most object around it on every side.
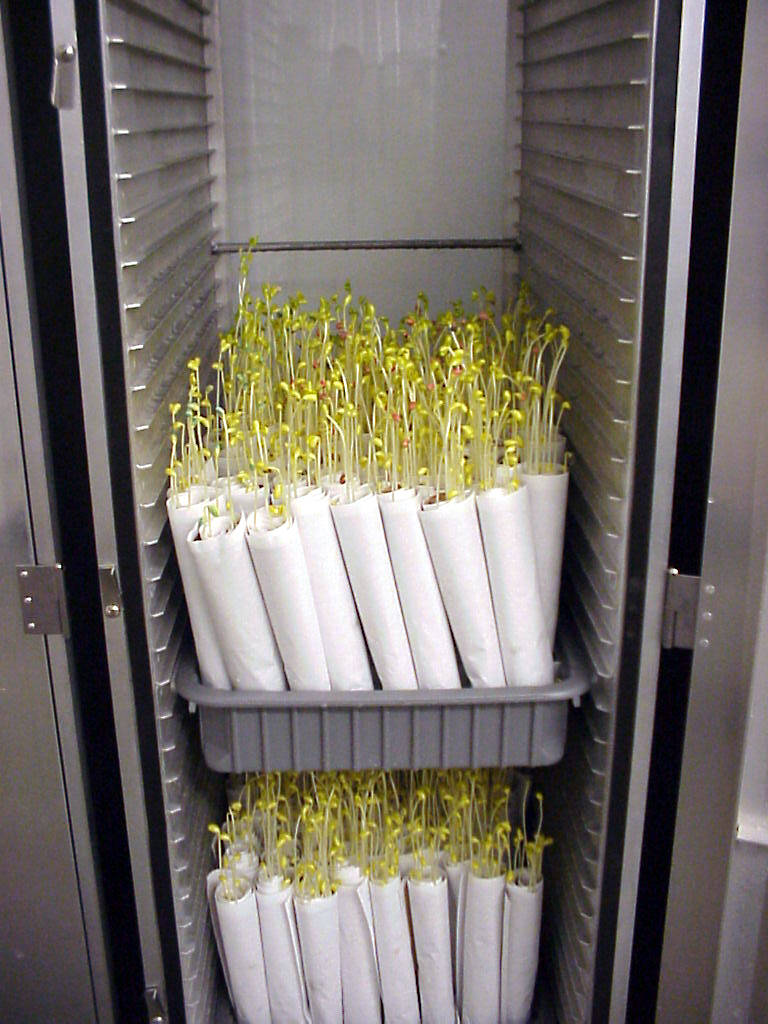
(340, 245)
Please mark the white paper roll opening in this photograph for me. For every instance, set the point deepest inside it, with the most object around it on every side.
(520, 951)
(361, 995)
(481, 976)
(241, 939)
(431, 936)
(343, 643)
(426, 623)
(318, 922)
(278, 558)
(452, 530)
(505, 521)
(364, 546)
(393, 946)
(282, 956)
(184, 510)
(236, 608)
(549, 499)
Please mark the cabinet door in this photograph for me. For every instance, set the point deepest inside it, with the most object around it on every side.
(714, 952)
(52, 953)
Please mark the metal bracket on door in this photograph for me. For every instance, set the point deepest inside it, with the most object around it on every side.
(111, 598)
(155, 1008)
(42, 599)
(681, 604)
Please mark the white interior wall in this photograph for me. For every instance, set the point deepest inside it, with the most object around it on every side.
(368, 119)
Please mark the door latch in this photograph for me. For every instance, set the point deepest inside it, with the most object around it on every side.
(42, 599)
(681, 604)
(64, 77)
(111, 598)
(155, 1008)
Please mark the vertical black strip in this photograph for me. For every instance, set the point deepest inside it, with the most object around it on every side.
(661, 142)
(40, 171)
(108, 312)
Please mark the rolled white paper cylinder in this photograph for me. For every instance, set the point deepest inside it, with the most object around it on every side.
(520, 951)
(342, 635)
(550, 454)
(505, 521)
(432, 938)
(393, 947)
(278, 558)
(184, 510)
(426, 623)
(318, 922)
(241, 939)
(243, 501)
(364, 546)
(481, 975)
(244, 863)
(405, 863)
(456, 875)
(549, 498)
(361, 995)
(211, 884)
(236, 607)
(453, 535)
(282, 956)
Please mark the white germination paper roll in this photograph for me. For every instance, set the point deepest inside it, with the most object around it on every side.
(426, 623)
(520, 950)
(282, 956)
(211, 885)
(184, 510)
(481, 975)
(241, 939)
(361, 995)
(505, 521)
(278, 558)
(549, 498)
(452, 530)
(244, 501)
(393, 946)
(236, 606)
(364, 546)
(342, 635)
(456, 875)
(318, 922)
(432, 938)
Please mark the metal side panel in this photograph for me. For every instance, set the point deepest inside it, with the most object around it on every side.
(160, 102)
(590, 88)
(156, 226)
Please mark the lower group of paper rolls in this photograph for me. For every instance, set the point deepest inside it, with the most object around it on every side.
(458, 948)
(302, 601)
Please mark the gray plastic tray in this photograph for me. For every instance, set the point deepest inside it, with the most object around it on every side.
(299, 731)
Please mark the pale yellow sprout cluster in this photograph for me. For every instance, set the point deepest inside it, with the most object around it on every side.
(338, 395)
(305, 828)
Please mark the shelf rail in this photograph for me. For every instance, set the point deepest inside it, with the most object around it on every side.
(367, 244)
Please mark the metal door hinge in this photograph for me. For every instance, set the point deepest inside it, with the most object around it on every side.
(64, 77)
(681, 603)
(42, 599)
(111, 598)
(155, 1008)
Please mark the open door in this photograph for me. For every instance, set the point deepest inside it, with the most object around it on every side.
(714, 956)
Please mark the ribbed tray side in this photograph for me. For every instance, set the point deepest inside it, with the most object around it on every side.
(158, 108)
(586, 71)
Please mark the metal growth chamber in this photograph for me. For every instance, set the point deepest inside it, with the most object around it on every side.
(609, 152)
